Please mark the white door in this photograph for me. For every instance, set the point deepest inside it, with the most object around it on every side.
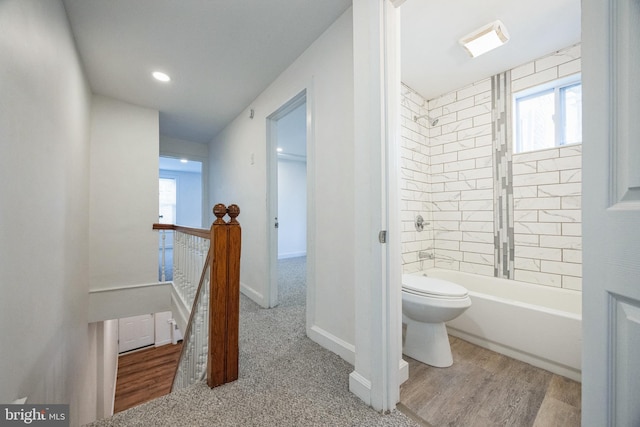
(611, 213)
(135, 332)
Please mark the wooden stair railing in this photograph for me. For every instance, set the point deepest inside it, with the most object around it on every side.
(223, 264)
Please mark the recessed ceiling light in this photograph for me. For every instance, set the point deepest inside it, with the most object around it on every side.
(279, 149)
(160, 76)
(484, 39)
(184, 161)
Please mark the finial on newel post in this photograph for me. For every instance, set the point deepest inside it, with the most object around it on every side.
(219, 211)
(233, 211)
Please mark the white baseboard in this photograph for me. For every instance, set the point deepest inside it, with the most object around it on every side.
(252, 294)
(360, 386)
(179, 310)
(332, 343)
(161, 343)
(403, 373)
(292, 255)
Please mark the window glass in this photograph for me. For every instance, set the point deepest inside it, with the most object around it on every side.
(536, 129)
(572, 101)
(548, 116)
(167, 200)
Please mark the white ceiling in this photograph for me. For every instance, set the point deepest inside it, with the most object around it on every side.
(172, 164)
(222, 54)
(433, 63)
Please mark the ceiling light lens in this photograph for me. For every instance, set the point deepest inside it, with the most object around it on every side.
(485, 39)
(160, 76)
(184, 161)
(279, 149)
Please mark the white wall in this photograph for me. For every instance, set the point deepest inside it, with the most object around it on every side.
(292, 208)
(124, 194)
(44, 229)
(238, 157)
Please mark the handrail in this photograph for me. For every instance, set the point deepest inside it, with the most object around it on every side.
(200, 232)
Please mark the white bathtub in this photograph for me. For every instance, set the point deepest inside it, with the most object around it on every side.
(540, 325)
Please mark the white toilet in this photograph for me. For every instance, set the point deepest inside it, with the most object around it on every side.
(428, 302)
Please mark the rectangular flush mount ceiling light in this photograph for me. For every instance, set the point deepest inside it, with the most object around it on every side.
(485, 39)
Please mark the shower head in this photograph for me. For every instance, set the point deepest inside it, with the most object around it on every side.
(432, 122)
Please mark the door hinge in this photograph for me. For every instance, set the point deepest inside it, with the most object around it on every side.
(382, 236)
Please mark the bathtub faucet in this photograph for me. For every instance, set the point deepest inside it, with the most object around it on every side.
(420, 223)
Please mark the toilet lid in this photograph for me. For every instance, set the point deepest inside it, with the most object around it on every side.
(432, 286)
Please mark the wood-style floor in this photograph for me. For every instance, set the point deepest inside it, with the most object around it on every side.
(485, 389)
(145, 374)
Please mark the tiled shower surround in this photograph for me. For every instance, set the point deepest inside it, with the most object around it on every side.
(490, 211)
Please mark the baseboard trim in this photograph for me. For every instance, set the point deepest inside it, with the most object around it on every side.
(360, 386)
(332, 343)
(292, 255)
(403, 373)
(252, 294)
(179, 310)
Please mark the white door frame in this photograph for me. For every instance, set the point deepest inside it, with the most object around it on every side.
(611, 213)
(378, 304)
(272, 190)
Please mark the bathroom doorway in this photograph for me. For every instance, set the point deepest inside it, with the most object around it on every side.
(288, 201)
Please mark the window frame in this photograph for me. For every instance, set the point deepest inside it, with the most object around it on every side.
(557, 87)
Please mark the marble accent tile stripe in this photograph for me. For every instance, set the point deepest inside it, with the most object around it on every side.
(504, 238)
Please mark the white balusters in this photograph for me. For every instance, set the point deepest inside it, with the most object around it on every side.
(163, 237)
(193, 364)
(189, 261)
(189, 255)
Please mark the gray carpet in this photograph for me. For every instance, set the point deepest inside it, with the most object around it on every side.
(285, 378)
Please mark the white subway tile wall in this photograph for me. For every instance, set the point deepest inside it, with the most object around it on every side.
(415, 185)
(547, 225)
(448, 173)
(462, 179)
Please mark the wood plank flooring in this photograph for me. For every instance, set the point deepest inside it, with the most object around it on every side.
(145, 374)
(485, 389)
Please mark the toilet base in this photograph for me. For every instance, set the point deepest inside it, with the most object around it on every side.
(428, 343)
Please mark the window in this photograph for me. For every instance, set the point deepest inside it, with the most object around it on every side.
(549, 115)
(167, 201)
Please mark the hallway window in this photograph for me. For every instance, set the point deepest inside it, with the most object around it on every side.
(548, 115)
(167, 200)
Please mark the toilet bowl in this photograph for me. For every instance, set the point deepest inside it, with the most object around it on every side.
(427, 303)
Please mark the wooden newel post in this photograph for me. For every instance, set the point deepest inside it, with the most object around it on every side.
(233, 307)
(224, 297)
